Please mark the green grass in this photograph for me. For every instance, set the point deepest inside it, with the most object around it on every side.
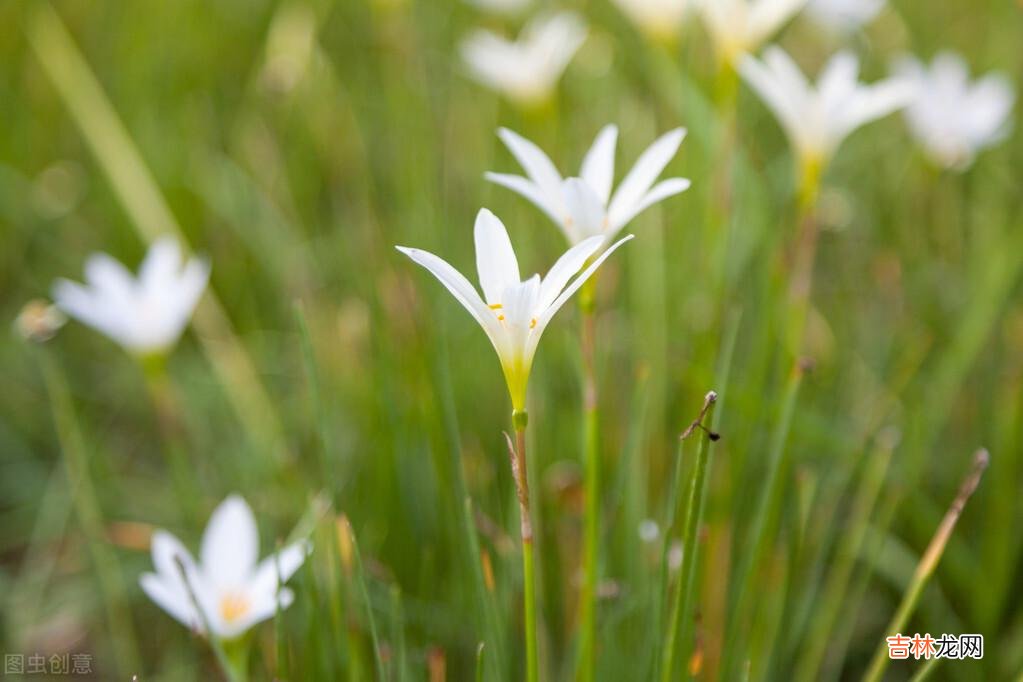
(326, 375)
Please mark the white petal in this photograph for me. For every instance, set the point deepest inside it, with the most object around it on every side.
(263, 608)
(839, 79)
(598, 167)
(230, 544)
(660, 191)
(109, 277)
(172, 600)
(642, 176)
(495, 257)
(166, 550)
(545, 317)
(874, 102)
(537, 165)
(787, 104)
(529, 190)
(88, 307)
(286, 562)
(565, 268)
(588, 216)
(190, 285)
(767, 16)
(162, 263)
(992, 98)
(463, 292)
(520, 308)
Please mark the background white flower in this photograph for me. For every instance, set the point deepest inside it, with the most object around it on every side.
(659, 19)
(234, 591)
(584, 206)
(952, 116)
(738, 26)
(818, 118)
(525, 70)
(843, 15)
(513, 313)
(145, 314)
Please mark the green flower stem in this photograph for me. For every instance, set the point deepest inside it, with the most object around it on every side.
(767, 507)
(928, 563)
(591, 450)
(517, 453)
(805, 255)
(90, 516)
(694, 516)
(170, 421)
(229, 664)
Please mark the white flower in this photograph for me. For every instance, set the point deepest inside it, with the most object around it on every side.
(525, 70)
(145, 314)
(648, 530)
(818, 118)
(512, 312)
(233, 590)
(952, 117)
(583, 206)
(659, 19)
(843, 15)
(738, 26)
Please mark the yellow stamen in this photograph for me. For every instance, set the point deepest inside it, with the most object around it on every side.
(532, 323)
(496, 306)
(233, 606)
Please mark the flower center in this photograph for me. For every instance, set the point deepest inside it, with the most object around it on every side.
(500, 316)
(233, 606)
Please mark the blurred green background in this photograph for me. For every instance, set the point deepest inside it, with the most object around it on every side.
(295, 143)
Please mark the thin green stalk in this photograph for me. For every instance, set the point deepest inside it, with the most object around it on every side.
(398, 635)
(490, 621)
(805, 256)
(90, 515)
(591, 449)
(226, 662)
(360, 576)
(694, 516)
(517, 453)
(768, 501)
(837, 585)
(928, 564)
(170, 420)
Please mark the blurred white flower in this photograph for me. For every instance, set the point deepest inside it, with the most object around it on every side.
(659, 19)
(648, 530)
(232, 589)
(818, 118)
(738, 26)
(675, 555)
(146, 314)
(583, 206)
(843, 15)
(512, 312)
(504, 7)
(952, 117)
(525, 70)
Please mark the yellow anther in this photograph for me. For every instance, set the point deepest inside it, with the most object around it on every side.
(496, 306)
(532, 323)
(233, 606)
